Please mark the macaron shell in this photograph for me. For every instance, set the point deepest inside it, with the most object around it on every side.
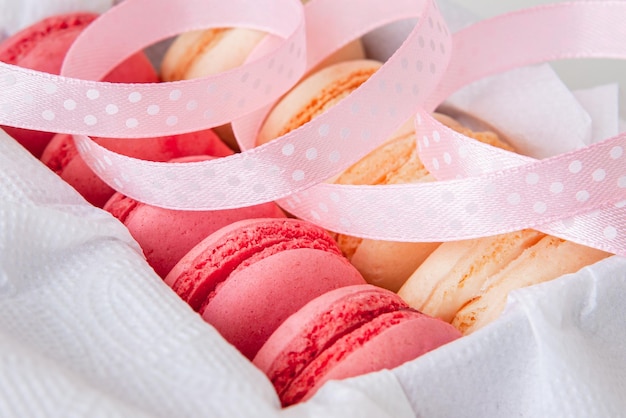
(550, 258)
(253, 302)
(311, 346)
(400, 343)
(166, 235)
(456, 271)
(210, 262)
(388, 263)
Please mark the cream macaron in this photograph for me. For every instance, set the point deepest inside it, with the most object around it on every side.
(467, 282)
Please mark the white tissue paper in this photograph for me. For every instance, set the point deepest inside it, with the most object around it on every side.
(88, 329)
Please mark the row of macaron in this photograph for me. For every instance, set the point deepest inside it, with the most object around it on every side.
(266, 281)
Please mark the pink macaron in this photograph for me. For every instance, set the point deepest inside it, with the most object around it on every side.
(62, 157)
(166, 235)
(248, 277)
(42, 47)
(345, 333)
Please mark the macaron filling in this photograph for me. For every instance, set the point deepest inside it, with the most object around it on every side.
(65, 152)
(338, 349)
(197, 284)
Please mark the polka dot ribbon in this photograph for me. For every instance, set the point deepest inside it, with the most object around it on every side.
(481, 191)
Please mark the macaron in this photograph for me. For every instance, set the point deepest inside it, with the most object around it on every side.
(62, 157)
(248, 277)
(43, 46)
(201, 53)
(166, 235)
(467, 282)
(344, 333)
(383, 263)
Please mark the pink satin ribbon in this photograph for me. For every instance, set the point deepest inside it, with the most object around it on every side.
(482, 191)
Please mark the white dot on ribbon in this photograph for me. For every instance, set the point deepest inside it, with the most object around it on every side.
(48, 115)
(9, 80)
(514, 199)
(191, 105)
(610, 232)
(111, 109)
(582, 196)
(335, 197)
(134, 97)
(621, 182)
(575, 167)
(171, 120)
(298, 175)
(556, 187)
(259, 188)
(311, 154)
(471, 208)
(323, 130)
(175, 94)
(90, 120)
(132, 123)
(323, 207)
(616, 152)
(92, 94)
(316, 215)
(599, 175)
(532, 178)
(153, 109)
(540, 207)
(334, 157)
(69, 104)
(50, 88)
(288, 149)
